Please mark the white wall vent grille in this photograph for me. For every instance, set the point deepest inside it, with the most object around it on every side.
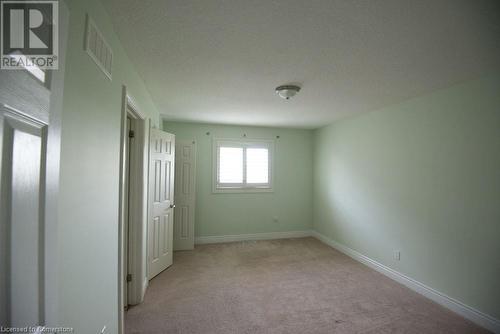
(97, 47)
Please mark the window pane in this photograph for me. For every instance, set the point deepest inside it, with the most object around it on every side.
(257, 165)
(230, 165)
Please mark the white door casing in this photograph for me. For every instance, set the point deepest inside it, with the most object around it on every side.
(185, 193)
(126, 210)
(133, 199)
(161, 201)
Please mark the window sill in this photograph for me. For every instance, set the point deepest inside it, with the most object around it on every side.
(244, 190)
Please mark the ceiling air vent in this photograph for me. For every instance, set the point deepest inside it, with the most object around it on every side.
(97, 48)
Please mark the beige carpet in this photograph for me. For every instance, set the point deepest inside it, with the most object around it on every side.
(283, 286)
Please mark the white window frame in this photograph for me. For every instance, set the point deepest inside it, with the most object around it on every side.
(242, 187)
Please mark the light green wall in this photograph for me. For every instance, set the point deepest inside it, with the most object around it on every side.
(422, 177)
(88, 208)
(228, 214)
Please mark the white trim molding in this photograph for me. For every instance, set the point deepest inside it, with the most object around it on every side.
(454, 305)
(249, 237)
(134, 261)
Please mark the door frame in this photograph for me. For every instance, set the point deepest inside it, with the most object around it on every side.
(52, 177)
(137, 210)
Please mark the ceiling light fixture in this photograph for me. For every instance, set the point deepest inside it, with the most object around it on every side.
(287, 91)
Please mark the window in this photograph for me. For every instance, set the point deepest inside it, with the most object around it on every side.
(241, 166)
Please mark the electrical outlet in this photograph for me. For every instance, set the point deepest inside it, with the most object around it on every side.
(397, 255)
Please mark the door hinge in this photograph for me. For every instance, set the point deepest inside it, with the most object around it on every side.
(131, 134)
(129, 277)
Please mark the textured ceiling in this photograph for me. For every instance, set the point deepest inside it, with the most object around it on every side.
(219, 61)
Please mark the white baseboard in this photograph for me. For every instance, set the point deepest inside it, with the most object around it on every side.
(254, 236)
(456, 306)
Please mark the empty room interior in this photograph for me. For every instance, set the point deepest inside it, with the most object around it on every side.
(267, 166)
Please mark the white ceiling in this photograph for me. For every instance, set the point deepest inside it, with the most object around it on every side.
(219, 61)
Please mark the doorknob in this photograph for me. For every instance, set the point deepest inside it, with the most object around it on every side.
(172, 206)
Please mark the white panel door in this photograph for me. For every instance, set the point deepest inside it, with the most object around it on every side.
(24, 122)
(185, 192)
(30, 127)
(22, 223)
(161, 201)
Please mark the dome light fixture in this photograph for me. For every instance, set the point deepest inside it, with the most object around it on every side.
(287, 91)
